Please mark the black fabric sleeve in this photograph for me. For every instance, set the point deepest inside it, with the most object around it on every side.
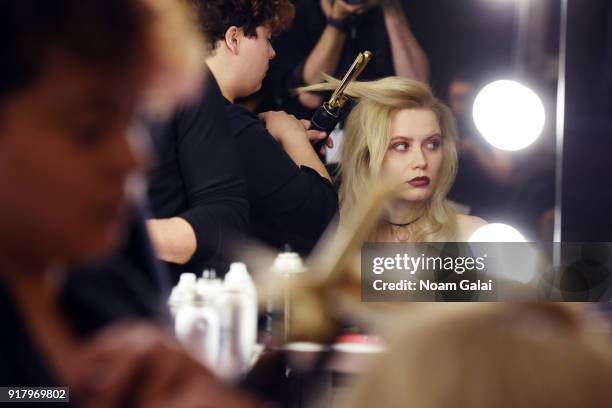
(212, 175)
(288, 203)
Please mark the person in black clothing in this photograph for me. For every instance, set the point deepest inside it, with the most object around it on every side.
(290, 194)
(67, 116)
(128, 284)
(327, 36)
(124, 286)
(197, 189)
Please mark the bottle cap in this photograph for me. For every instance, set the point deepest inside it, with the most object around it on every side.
(184, 291)
(187, 278)
(288, 262)
(237, 276)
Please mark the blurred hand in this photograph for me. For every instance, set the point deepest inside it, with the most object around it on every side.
(310, 100)
(141, 365)
(387, 4)
(339, 9)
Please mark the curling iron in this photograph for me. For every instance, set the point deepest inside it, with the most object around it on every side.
(327, 115)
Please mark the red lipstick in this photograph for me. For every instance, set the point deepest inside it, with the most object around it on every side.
(419, 181)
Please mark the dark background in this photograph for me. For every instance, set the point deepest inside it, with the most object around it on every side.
(479, 35)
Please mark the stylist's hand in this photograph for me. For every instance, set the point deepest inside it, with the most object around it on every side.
(286, 128)
(140, 365)
(340, 9)
(282, 126)
(315, 135)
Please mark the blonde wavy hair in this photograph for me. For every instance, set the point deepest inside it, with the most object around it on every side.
(366, 139)
(482, 355)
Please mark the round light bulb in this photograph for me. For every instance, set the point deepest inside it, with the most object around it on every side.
(497, 232)
(509, 115)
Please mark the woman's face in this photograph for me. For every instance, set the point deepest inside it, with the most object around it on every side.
(414, 154)
(65, 156)
(256, 53)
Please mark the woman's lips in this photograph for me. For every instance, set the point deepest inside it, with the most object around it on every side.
(419, 182)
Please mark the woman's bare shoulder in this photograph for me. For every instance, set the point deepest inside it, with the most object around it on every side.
(467, 225)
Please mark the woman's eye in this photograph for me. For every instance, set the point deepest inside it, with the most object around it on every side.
(433, 144)
(400, 147)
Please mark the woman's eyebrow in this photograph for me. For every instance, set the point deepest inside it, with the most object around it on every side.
(401, 137)
(431, 134)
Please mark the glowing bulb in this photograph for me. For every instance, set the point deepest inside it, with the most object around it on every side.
(497, 233)
(509, 115)
(502, 262)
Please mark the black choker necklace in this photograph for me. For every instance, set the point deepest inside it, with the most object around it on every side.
(402, 225)
(401, 233)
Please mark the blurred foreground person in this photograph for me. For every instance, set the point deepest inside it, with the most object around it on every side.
(399, 130)
(74, 75)
(493, 355)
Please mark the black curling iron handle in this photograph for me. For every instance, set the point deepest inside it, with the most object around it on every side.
(325, 121)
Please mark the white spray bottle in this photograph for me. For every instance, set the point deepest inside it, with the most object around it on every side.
(238, 305)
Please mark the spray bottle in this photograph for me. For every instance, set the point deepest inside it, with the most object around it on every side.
(238, 306)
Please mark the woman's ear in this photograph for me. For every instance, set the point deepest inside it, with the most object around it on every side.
(232, 39)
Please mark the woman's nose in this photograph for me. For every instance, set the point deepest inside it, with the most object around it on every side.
(419, 161)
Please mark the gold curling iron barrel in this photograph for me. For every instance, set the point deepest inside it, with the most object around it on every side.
(327, 116)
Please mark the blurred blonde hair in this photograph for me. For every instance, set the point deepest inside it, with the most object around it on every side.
(493, 355)
(366, 139)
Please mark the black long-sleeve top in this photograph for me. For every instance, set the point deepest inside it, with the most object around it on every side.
(289, 204)
(198, 177)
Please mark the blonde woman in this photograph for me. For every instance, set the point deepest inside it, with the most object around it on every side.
(399, 130)
(492, 355)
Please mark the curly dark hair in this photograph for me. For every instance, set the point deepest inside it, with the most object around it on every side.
(216, 16)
